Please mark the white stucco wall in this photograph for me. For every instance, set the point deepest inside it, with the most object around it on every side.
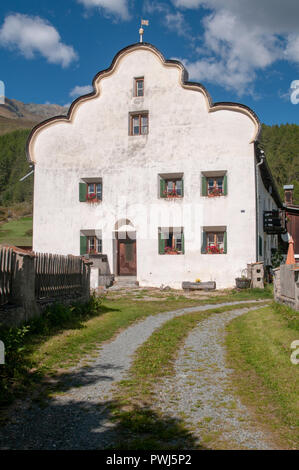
(183, 138)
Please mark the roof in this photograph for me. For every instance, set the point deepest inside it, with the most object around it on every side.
(291, 207)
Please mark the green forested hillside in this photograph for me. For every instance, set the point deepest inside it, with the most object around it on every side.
(14, 165)
(281, 144)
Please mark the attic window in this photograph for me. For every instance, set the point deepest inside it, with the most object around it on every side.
(138, 123)
(139, 86)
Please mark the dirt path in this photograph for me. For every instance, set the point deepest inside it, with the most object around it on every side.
(79, 418)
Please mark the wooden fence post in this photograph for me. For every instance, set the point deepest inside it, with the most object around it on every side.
(23, 285)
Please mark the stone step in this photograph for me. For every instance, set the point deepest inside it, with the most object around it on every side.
(124, 281)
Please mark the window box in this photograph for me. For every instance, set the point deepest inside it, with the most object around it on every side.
(138, 123)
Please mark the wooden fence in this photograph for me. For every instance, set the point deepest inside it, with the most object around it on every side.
(7, 267)
(57, 275)
(28, 278)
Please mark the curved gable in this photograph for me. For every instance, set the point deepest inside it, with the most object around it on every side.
(183, 79)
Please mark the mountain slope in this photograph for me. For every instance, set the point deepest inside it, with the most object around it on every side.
(17, 115)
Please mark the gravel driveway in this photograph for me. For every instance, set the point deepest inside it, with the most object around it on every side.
(79, 418)
(200, 391)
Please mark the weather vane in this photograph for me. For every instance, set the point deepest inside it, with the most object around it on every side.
(141, 30)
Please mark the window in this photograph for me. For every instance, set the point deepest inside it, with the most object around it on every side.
(171, 188)
(94, 245)
(171, 241)
(94, 191)
(90, 242)
(139, 123)
(139, 86)
(214, 184)
(90, 190)
(171, 185)
(214, 240)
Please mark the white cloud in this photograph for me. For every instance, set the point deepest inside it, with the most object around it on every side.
(81, 90)
(173, 21)
(187, 3)
(241, 39)
(114, 7)
(292, 48)
(31, 35)
(176, 22)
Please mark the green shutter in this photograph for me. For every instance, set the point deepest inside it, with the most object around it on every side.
(225, 185)
(225, 242)
(204, 242)
(183, 242)
(162, 187)
(161, 244)
(204, 190)
(82, 192)
(260, 246)
(83, 245)
(182, 187)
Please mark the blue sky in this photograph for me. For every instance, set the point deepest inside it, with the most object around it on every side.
(242, 51)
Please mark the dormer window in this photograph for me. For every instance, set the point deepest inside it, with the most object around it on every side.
(139, 86)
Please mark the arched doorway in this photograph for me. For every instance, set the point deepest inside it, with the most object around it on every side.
(125, 235)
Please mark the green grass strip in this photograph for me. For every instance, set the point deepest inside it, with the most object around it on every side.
(259, 350)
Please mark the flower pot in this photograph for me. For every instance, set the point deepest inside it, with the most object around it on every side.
(243, 283)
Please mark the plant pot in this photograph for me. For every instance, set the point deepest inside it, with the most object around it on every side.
(242, 283)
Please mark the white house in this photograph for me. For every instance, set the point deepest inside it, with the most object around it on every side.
(147, 170)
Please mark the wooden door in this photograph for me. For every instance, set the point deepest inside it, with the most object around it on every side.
(127, 257)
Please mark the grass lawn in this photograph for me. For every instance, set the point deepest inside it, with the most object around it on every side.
(17, 232)
(264, 377)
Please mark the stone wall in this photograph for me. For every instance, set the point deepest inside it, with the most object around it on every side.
(286, 285)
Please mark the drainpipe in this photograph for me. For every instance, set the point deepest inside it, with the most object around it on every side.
(262, 156)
